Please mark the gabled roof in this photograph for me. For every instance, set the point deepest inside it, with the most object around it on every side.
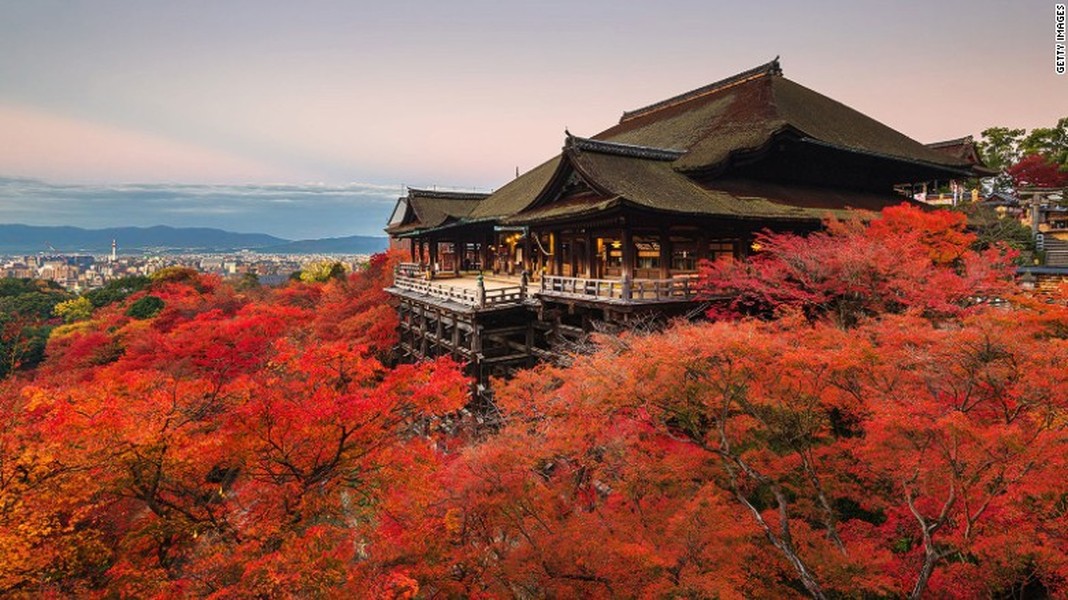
(643, 177)
(516, 194)
(427, 209)
(747, 111)
(676, 155)
(965, 150)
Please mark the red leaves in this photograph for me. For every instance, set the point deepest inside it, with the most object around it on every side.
(238, 446)
(716, 459)
(1036, 170)
(908, 261)
(228, 446)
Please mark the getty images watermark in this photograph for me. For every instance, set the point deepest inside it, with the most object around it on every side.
(1058, 39)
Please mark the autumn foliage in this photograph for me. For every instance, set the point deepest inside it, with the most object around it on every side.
(859, 420)
(221, 444)
(1037, 170)
(908, 261)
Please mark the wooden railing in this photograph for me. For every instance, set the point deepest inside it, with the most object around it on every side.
(478, 297)
(513, 294)
(441, 291)
(676, 288)
(679, 288)
(578, 286)
(625, 290)
(410, 269)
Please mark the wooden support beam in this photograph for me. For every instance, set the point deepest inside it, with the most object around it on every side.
(438, 326)
(496, 360)
(455, 339)
(504, 330)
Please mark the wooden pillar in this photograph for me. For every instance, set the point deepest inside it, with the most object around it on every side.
(438, 332)
(591, 255)
(422, 332)
(455, 338)
(411, 249)
(628, 252)
(476, 340)
(433, 256)
(457, 256)
(485, 257)
(528, 252)
(558, 255)
(539, 265)
(665, 253)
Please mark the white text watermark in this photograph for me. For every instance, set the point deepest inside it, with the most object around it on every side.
(1058, 38)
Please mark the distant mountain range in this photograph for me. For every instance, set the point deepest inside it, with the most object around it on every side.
(30, 239)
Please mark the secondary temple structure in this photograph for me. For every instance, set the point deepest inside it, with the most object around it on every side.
(613, 227)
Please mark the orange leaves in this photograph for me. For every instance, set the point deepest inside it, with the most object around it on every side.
(722, 459)
(236, 446)
(229, 446)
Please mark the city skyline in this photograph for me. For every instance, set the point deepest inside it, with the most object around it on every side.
(179, 114)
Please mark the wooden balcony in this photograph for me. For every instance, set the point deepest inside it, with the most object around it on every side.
(680, 288)
(479, 293)
(474, 293)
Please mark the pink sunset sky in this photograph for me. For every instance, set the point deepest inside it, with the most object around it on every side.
(364, 97)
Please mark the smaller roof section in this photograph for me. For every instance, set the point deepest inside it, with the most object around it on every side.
(426, 209)
(965, 150)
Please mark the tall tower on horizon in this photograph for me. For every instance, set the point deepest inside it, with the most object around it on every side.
(114, 247)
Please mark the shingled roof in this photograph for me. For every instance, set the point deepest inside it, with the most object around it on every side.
(676, 155)
(643, 177)
(516, 194)
(428, 209)
(745, 112)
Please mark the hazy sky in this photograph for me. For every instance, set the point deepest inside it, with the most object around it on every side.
(223, 97)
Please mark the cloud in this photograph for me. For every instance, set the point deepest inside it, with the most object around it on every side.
(285, 210)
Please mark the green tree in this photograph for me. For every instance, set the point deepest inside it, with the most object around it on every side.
(26, 306)
(1000, 148)
(990, 228)
(248, 281)
(1051, 142)
(117, 290)
(145, 307)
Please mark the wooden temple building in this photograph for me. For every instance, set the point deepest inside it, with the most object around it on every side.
(612, 228)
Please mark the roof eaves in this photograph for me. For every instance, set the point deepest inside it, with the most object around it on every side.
(959, 169)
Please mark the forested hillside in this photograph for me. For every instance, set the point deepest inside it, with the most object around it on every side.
(874, 411)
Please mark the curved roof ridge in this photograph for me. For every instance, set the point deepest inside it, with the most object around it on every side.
(445, 194)
(617, 148)
(954, 142)
(769, 68)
